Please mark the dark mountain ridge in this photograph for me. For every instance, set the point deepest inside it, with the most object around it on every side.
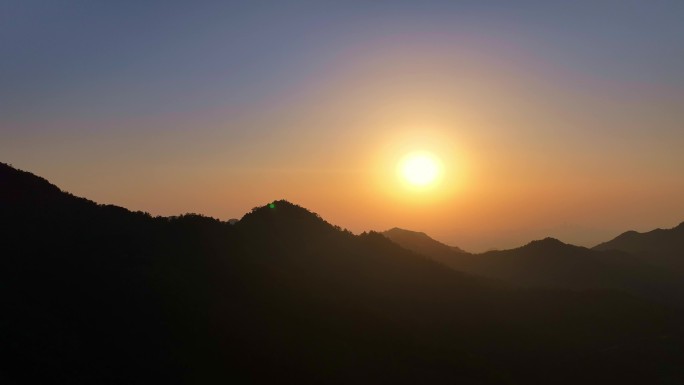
(422, 241)
(99, 294)
(662, 247)
(554, 264)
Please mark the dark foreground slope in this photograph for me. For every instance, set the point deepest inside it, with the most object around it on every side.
(98, 294)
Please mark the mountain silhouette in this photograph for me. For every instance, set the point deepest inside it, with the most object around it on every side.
(99, 294)
(662, 247)
(553, 264)
(421, 243)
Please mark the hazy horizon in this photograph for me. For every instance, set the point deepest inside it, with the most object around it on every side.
(549, 118)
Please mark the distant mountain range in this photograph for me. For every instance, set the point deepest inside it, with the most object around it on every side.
(99, 294)
(636, 266)
(659, 247)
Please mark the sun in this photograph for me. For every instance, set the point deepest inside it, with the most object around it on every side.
(419, 169)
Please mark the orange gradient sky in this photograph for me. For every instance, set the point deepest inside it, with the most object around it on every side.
(538, 134)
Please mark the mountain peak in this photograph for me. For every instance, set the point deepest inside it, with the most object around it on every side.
(546, 242)
(398, 230)
(282, 207)
(420, 242)
(282, 216)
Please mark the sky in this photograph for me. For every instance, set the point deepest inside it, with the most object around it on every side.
(549, 118)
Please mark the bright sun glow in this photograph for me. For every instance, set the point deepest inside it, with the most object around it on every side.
(419, 169)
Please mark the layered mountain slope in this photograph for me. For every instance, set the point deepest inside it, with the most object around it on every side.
(98, 294)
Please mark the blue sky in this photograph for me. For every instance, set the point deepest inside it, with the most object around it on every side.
(149, 57)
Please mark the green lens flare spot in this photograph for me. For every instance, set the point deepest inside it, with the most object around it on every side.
(271, 205)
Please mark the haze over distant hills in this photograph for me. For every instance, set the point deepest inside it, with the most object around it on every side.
(98, 294)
